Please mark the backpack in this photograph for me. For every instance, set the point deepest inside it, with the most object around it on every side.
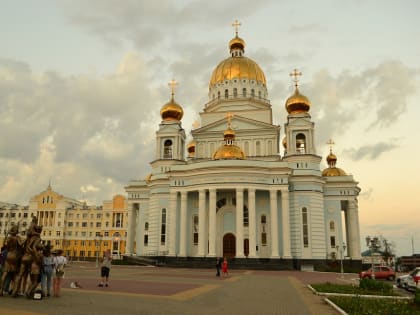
(59, 270)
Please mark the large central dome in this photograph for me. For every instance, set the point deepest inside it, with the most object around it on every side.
(237, 66)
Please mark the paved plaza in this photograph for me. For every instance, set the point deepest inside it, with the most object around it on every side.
(159, 290)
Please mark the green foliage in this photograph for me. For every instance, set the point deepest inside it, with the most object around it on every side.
(371, 287)
(360, 306)
(417, 297)
(375, 286)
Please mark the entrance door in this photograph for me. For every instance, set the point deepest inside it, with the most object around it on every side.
(229, 245)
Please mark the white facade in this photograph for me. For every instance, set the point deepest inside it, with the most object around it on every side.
(263, 206)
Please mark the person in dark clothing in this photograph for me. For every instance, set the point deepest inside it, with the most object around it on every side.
(218, 266)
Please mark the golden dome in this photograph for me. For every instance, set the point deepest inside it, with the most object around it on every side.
(284, 142)
(237, 43)
(237, 66)
(171, 111)
(297, 103)
(229, 152)
(191, 148)
(332, 170)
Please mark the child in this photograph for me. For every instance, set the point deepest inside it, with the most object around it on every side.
(225, 267)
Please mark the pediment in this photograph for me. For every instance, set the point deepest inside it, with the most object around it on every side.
(238, 123)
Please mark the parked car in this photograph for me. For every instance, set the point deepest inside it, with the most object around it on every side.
(413, 281)
(402, 281)
(379, 272)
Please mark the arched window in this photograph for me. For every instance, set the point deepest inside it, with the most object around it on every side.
(163, 228)
(244, 92)
(258, 148)
(301, 143)
(218, 94)
(252, 92)
(259, 94)
(235, 92)
(167, 149)
(332, 226)
(305, 230)
(263, 230)
(226, 93)
(195, 229)
(146, 226)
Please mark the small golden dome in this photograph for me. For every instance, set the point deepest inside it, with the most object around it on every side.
(229, 134)
(297, 103)
(332, 170)
(237, 43)
(284, 142)
(191, 148)
(229, 152)
(171, 111)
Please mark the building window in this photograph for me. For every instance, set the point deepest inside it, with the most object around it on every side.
(305, 227)
(332, 241)
(167, 149)
(195, 229)
(332, 226)
(146, 226)
(258, 148)
(106, 233)
(84, 224)
(146, 239)
(244, 92)
(226, 93)
(252, 92)
(301, 143)
(235, 92)
(246, 216)
(57, 233)
(263, 230)
(98, 224)
(163, 228)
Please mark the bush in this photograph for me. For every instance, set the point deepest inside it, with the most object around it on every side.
(374, 285)
(417, 297)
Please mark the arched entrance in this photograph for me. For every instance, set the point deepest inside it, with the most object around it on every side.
(229, 245)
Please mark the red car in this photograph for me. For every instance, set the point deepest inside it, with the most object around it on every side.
(379, 272)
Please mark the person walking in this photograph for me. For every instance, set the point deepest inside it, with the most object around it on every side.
(105, 268)
(218, 266)
(58, 272)
(225, 267)
(47, 271)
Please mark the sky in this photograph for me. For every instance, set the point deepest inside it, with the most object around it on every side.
(82, 84)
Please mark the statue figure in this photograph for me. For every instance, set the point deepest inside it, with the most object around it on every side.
(14, 246)
(31, 261)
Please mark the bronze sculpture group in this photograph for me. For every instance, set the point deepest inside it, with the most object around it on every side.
(23, 262)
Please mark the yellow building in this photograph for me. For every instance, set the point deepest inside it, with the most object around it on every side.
(82, 231)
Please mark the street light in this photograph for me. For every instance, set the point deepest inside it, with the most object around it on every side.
(341, 249)
(373, 244)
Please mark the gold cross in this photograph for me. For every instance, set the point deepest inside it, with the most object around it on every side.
(229, 116)
(330, 143)
(236, 25)
(172, 84)
(295, 73)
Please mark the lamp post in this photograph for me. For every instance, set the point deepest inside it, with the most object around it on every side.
(341, 249)
(373, 244)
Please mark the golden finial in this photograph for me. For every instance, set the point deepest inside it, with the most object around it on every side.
(173, 83)
(229, 117)
(236, 25)
(330, 143)
(295, 74)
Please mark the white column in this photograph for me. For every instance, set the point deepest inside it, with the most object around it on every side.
(183, 226)
(130, 230)
(239, 222)
(172, 222)
(202, 222)
(285, 217)
(212, 223)
(274, 224)
(252, 224)
(352, 226)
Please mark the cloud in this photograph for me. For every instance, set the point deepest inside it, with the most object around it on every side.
(371, 152)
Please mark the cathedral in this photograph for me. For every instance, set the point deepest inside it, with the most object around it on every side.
(229, 192)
